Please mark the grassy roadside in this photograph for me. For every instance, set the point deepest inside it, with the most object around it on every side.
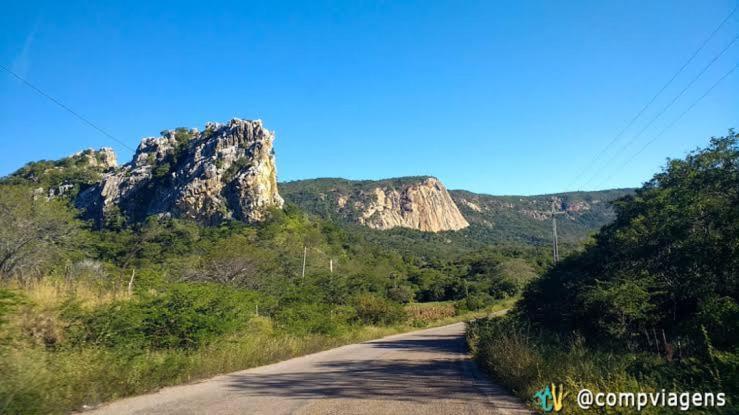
(42, 373)
(526, 360)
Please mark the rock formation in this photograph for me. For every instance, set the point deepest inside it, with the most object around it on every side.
(103, 159)
(420, 203)
(425, 206)
(227, 171)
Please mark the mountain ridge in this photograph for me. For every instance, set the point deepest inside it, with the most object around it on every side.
(228, 172)
(491, 218)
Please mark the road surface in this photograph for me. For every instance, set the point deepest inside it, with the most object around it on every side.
(424, 372)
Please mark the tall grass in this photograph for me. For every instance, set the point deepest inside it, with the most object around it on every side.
(526, 360)
(43, 372)
(36, 380)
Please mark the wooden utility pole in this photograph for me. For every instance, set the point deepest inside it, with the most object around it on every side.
(305, 253)
(130, 282)
(331, 265)
(555, 241)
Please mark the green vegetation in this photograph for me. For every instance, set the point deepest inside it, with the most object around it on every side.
(652, 303)
(89, 315)
(493, 219)
(67, 176)
(34, 232)
(518, 219)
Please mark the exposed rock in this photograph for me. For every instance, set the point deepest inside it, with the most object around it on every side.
(103, 159)
(227, 171)
(472, 205)
(492, 219)
(420, 203)
(425, 206)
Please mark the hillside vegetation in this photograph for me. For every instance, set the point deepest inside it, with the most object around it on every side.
(652, 303)
(525, 219)
(522, 220)
(91, 314)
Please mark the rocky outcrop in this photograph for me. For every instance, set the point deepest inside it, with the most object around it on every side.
(425, 206)
(225, 172)
(103, 159)
(420, 203)
(492, 219)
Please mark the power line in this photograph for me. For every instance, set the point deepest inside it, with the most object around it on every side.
(651, 101)
(670, 125)
(664, 109)
(66, 108)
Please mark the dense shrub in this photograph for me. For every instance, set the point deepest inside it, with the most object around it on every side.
(314, 318)
(8, 300)
(400, 294)
(372, 309)
(35, 233)
(474, 302)
(668, 265)
(183, 317)
(651, 304)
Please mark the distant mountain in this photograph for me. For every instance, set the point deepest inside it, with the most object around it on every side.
(527, 218)
(420, 203)
(477, 218)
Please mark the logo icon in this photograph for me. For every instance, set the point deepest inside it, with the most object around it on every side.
(549, 400)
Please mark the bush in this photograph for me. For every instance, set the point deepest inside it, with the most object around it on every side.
(183, 317)
(36, 233)
(314, 318)
(372, 309)
(474, 302)
(8, 300)
(402, 294)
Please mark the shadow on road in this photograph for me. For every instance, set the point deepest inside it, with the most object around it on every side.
(425, 343)
(442, 373)
(363, 379)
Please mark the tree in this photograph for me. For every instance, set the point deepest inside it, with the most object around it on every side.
(32, 231)
(669, 261)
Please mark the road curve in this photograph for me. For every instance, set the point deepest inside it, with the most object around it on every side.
(423, 372)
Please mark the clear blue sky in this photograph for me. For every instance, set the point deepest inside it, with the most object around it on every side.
(501, 97)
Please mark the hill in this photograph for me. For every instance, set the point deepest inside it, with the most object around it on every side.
(491, 219)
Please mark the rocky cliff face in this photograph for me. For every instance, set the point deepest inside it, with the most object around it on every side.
(425, 206)
(492, 219)
(420, 203)
(227, 171)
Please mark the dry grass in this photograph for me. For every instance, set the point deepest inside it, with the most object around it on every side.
(429, 312)
(36, 319)
(42, 375)
(522, 362)
(52, 292)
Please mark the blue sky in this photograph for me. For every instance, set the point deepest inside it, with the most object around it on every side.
(500, 97)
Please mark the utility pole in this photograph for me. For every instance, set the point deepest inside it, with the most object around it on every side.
(331, 265)
(305, 253)
(555, 241)
(130, 283)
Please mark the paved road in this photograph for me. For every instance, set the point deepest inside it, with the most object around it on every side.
(424, 372)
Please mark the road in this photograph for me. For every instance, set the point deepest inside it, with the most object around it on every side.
(423, 372)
